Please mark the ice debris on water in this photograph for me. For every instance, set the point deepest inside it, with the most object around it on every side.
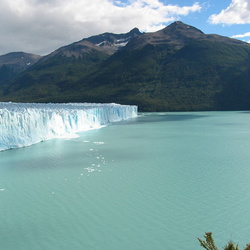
(99, 142)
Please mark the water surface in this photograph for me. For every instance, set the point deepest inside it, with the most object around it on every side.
(155, 182)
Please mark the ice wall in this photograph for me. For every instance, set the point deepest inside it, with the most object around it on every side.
(24, 124)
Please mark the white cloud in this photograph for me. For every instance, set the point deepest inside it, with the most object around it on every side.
(40, 26)
(247, 34)
(238, 12)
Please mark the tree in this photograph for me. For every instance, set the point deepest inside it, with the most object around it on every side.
(209, 244)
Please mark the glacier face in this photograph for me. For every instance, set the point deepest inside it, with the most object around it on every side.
(24, 124)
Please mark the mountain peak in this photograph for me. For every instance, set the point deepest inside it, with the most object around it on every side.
(178, 27)
(111, 38)
(13, 63)
(175, 35)
(19, 60)
(135, 31)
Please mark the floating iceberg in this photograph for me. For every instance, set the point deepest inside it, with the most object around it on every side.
(24, 124)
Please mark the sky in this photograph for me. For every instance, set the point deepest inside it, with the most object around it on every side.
(42, 26)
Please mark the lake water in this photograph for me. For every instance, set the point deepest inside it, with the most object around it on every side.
(158, 181)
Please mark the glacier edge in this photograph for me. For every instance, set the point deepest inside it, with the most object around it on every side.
(25, 124)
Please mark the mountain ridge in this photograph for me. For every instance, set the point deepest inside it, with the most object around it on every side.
(107, 43)
(178, 34)
(178, 68)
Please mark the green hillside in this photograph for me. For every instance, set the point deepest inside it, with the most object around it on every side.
(51, 78)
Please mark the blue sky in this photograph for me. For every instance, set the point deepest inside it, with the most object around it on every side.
(202, 19)
(41, 26)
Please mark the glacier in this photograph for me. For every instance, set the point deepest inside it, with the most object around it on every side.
(24, 124)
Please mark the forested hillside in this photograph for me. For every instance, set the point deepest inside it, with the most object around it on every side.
(178, 68)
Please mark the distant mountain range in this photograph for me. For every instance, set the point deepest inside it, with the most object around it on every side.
(14, 63)
(178, 68)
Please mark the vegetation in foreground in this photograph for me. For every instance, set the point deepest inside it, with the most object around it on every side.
(209, 244)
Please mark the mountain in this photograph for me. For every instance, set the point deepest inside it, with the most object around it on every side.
(57, 72)
(178, 68)
(176, 36)
(13, 63)
(107, 43)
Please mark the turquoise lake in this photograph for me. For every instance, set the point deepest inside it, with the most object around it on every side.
(158, 181)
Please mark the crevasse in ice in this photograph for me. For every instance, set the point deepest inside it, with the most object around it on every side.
(24, 124)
